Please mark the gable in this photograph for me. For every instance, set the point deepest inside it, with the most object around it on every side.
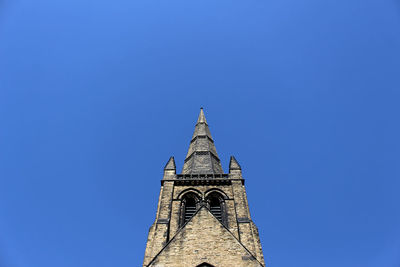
(204, 239)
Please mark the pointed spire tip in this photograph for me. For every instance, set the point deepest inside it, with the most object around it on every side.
(202, 117)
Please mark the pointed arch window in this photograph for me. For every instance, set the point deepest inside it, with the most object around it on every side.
(189, 206)
(216, 205)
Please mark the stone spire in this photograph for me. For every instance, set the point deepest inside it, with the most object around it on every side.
(202, 157)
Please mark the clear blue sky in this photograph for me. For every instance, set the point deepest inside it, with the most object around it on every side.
(95, 96)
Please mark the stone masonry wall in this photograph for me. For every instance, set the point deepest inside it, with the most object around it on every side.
(204, 240)
(166, 226)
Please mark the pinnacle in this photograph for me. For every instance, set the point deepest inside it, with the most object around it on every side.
(233, 164)
(170, 166)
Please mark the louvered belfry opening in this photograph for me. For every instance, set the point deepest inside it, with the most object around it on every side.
(216, 207)
(190, 208)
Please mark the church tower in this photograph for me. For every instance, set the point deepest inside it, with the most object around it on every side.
(203, 217)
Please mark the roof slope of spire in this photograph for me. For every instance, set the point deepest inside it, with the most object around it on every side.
(202, 157)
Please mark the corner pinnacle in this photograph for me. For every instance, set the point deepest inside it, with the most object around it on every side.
(170, 166)
(234, 165)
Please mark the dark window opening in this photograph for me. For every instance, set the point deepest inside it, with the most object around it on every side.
(205, 265)
(216, 208)
(189, 205)
(189, 209)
